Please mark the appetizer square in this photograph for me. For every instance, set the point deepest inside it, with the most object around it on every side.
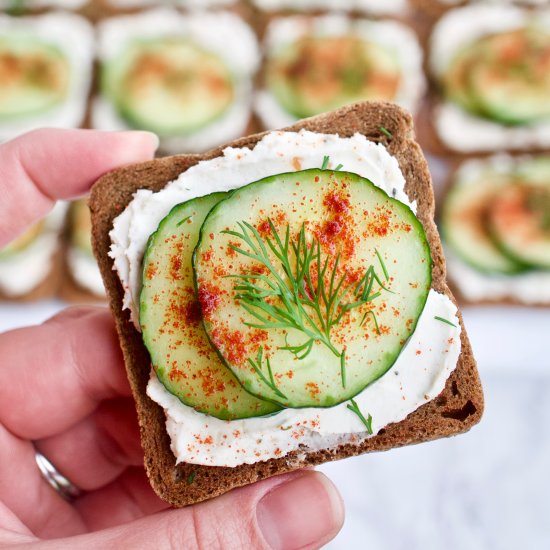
(46, 70)
(492, 65)
(282, 302)
(496, 227)
(29, 265)
(317, 64)
(83, 280)
(175, 75)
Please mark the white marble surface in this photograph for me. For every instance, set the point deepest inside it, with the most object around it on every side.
(488, 489)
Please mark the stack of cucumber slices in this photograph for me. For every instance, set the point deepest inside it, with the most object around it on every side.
(298, 290)
(500, 222)
(503, 77)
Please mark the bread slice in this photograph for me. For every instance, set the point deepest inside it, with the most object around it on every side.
(455, 410)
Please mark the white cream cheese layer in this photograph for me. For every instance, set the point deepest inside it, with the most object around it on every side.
(374, 7)
(85, 271)
(418, 375)
(498, 2)
(529, 288)
(458, 129)
(23, 271)
(182, 3)
(393, 35)
(222, 33)
(73, 35)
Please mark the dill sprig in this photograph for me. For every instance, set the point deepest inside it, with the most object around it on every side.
(309, 296)
(191, 478)
(326, 162)
(354, 408)
(446, 321)
(386, 132)
(258, 369)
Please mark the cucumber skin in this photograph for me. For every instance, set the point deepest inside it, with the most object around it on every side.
(270, 409)
(334, 401)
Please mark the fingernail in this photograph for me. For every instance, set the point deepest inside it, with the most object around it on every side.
(155, 140)
(304, 511)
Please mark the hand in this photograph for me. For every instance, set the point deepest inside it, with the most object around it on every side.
(64, 391)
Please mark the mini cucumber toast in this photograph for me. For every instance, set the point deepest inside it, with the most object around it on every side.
(82, 281)
(30, 264)
(45, 71)
(490, 66)
(187, 76)
(495, 218)
(316, 63)
(290, 305)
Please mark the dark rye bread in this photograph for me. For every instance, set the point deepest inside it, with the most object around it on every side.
(455, 410)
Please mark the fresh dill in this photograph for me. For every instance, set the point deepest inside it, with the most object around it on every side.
(191, 478)
(354, 408)
(309, 297)
(326, 162)
(383, 265)
(386, 132)
(258, 366)
(183, 221)
(444, 321)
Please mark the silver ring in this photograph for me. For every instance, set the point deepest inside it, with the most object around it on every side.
(61, 485)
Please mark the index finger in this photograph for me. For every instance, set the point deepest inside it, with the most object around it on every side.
(55, 374)
(40, 167)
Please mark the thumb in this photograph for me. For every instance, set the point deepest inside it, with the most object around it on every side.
(301, 510)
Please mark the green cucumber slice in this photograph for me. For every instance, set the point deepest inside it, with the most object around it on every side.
(310, 284)
(456, 81)
(316, 74)
(464, 224)
(181, 354)
(168, 85)
(519, 221)
(35, 76)
(23, 241)
(81, 226)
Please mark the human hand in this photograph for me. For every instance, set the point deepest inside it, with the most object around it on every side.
(65, 393)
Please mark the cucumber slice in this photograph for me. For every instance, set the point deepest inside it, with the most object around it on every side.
(456, 81)
(511, 79)
(168, 85)
(310, 284)
(81, 226)
(317, 74)
(519, 220)
(35, 76)
(23, 241)
(464, 224)
(181, 354)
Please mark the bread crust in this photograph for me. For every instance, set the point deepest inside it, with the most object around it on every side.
(455, 410)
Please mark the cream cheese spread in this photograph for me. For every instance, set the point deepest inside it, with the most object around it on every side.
(224, 34)
(528, 288)
(73, 35)
(395, 36)
(85, 271)
(374, 7)
(24, 270)
(418, 375)
(458, 129)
